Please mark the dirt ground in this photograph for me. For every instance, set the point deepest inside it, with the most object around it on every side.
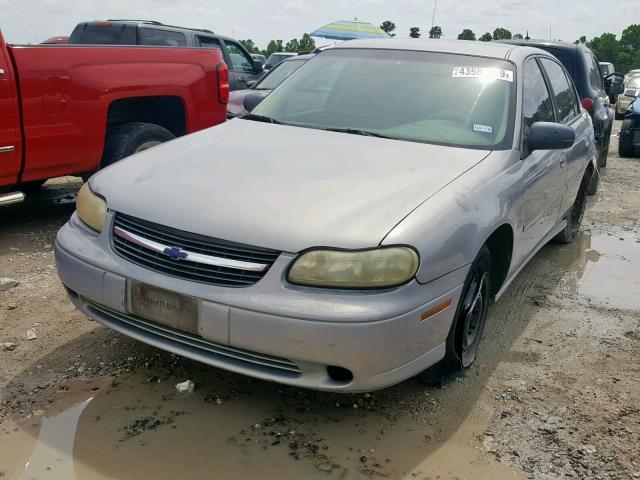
(555, 392)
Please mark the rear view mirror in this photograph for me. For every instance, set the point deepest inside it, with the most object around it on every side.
(251, 101)
(613, 83)
(258, 66)
(616, 88)
(550, 136)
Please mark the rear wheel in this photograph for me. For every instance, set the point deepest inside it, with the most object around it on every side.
(574, 217)
(625, 145)
(133, 137)
(467, 327)
(604, 150)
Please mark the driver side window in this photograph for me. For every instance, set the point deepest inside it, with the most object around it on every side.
(239, 59)
(536, 101)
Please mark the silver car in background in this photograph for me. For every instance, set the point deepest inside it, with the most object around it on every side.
(391, 191)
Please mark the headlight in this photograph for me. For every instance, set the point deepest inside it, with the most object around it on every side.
(376, 268)
(91, 209)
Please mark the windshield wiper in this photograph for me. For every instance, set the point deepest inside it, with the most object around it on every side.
(261, 118)
(356, 131)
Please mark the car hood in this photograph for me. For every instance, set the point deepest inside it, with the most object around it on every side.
(235, 106)
(281, 187)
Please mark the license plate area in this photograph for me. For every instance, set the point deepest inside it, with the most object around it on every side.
(163, 306)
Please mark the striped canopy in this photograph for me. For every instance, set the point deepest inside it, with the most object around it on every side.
(349, 30)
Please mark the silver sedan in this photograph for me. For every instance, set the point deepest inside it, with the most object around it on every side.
(352, 231)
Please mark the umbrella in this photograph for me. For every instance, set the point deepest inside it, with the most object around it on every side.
(348, 30)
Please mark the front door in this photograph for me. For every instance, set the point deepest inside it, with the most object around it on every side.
(10, 144)
(545, 170)
(241, 69)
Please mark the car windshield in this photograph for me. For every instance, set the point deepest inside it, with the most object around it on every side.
(275, 59)
(278, 74)
(439, 98)
(634, 82)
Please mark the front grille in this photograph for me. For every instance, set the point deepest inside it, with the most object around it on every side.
(197, 272)
(191, 345)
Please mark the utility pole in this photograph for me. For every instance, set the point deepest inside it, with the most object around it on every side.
(433, 17)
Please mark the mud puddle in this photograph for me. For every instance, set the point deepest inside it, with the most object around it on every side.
(605, 269)
(134, 427)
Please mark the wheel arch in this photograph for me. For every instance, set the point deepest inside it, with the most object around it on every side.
(500, 244)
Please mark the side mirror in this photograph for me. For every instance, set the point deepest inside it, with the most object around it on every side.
(614, 83)
(258, 66)
(550, 136)
(251, 101)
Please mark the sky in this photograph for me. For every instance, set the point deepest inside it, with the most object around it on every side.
(32, 21)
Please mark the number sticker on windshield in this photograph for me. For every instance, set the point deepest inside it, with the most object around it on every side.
(483, 73)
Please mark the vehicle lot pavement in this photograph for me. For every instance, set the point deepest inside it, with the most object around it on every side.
(554, 393)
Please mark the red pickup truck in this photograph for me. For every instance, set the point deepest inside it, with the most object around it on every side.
(70, 110)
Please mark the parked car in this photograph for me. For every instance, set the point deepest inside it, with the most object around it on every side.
(242, 67)
(69, 110)
(631, 92)
(366, 240)
(263, 87)
(607, 68)
(275, 58)
(594, 91)
(629, 142)
(630, 74)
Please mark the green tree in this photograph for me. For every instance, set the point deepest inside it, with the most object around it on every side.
(501, 34)
(389, 27)
(435, 32)
(467, 34)
(605, 47)
(273, 47)
(292, 45)
(629, 52)
(486, 37)
(306, 43)
(518, 36)
(582, 39)
(414, 32)
(250, 46)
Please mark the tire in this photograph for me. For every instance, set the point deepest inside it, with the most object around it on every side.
(625, 145)
(133, 137)
(604, 151)
(618, 116)
(468, 324)
(574, 217)
(594, 182)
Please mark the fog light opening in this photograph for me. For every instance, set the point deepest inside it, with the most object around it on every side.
(339, 374)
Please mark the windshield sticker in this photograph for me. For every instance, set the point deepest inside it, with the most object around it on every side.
(482, 128)
(483, 73)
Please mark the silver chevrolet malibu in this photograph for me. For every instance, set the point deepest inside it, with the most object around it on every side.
(352, 231)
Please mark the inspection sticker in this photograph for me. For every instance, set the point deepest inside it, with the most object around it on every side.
(482, 128)
(484, 73)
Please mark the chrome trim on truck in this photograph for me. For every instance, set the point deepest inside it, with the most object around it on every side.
(8, 148)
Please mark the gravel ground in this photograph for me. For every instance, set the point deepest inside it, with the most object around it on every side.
(554, 393)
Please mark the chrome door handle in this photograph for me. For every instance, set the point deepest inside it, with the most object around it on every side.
(1, 71)
(7, 149)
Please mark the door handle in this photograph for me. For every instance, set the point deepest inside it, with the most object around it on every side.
(1, 71)
(242, 79)
(7, 149)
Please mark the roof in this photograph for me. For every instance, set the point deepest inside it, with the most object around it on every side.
(545, 43)
(464, 47)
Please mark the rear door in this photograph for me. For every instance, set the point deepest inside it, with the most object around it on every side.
(568, 112)
(602, 116)
(241, 69)
(10, 138)
(545, 171)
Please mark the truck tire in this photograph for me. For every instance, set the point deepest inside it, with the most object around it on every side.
(574, 217)
(604, 151)
(132, 137)
(468, 324)
(625, 145)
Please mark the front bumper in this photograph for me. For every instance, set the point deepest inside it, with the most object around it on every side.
(270, 330)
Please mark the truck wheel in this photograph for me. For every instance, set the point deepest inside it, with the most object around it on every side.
(132, 137)
(574, 217)
(468, 324)
(625, 145)
(604, 151)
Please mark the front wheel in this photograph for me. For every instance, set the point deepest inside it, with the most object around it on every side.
(625, 145)
(574, 217)
(468, 324)
(133, 137)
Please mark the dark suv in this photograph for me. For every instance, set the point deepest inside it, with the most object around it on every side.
(242, 68)
(594, 91)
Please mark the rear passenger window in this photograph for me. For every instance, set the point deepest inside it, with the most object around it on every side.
(165, 38)
(536, 101)
(595, 76)
(209, 42)
(563, 92)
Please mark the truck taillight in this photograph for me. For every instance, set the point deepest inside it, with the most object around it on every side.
(222, 72)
